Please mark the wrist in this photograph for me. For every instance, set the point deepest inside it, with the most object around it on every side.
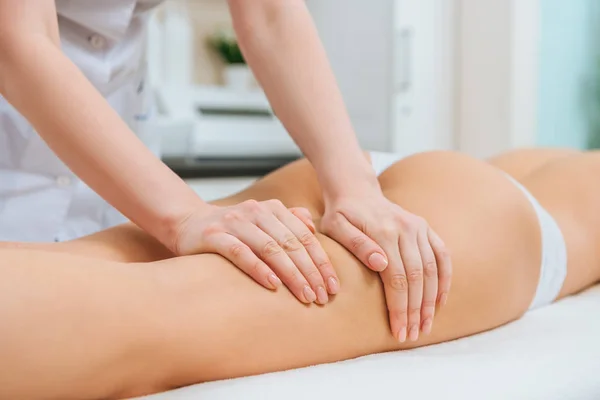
(172, 222)
(353, 179)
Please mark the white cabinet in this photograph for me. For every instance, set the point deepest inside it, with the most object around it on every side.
(393, 62)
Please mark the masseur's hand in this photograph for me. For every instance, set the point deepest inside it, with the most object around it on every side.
(267, 241)
(413, 262)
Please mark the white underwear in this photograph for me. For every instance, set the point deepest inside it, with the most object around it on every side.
(554, 249)
(554, 254)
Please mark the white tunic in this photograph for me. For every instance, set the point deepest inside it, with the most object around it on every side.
(40, 198)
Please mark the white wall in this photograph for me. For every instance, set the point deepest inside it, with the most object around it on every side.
(357, 36)
(497, 47)
(394, 64)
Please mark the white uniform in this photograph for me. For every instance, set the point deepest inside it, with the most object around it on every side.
(40, 198)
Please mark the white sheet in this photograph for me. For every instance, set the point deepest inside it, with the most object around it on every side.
(551, 353)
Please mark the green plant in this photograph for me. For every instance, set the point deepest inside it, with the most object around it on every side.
(226, 45)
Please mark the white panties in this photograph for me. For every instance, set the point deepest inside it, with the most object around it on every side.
(554, 254)
(554, 250)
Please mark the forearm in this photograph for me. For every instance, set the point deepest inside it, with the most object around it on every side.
(281, 44)
(90, 137)
(74, 327)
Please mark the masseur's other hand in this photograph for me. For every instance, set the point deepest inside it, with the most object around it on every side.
(412, 260)
(267, 241)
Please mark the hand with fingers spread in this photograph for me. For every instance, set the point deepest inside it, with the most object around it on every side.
(412, 260)
(266, 240)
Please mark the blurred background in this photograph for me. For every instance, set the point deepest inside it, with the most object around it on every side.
(478, 76)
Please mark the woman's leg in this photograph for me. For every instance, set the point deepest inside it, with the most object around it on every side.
(213, 322)
(124, 243)
(205, 320)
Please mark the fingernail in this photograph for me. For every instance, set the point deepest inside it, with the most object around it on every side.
(443, 299)
(402, 335)
(309, 295)
(414, 333)
(322, 297)
(312, 227)
(427, 324)
(377, 262)
(274, 281)
(334, 285)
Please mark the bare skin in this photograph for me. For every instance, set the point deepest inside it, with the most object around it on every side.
(162, 324)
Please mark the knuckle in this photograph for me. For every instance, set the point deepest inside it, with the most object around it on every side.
(324, 266)
(314, 275)
(212, 229)
(296, 277)
(357, 242)
(410, 228)
(414, 313)
(275, 203)
(232, 216)
(290, 244)
(415, 275)
(430, 269)
(389, 231)
(399, 283)
(428, 305)
(236, 250)
(308, 239)
(255, 268)
(400, 313)
(270, 249)
(251, 205)
(445, 254)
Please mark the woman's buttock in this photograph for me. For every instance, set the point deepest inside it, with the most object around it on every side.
(489, 227)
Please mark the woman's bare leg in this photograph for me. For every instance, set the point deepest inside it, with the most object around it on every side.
(124, 243)
(213, 322)
(206, 320)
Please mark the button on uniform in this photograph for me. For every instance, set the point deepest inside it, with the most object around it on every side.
(63, 181)
(97, 41)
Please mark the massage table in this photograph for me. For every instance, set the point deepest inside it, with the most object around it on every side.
(552, 353)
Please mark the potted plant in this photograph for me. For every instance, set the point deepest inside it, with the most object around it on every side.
(236, 74)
